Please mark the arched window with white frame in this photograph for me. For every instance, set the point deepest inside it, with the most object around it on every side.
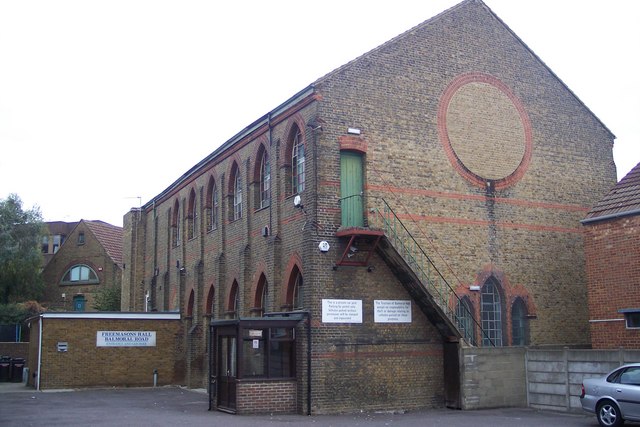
(236, 193)
(212, 205)
(297, 161)
(192, 215)
(491, 310)
(265, 180)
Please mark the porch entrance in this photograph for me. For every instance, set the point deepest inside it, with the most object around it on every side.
(253, 356)
(227, 372)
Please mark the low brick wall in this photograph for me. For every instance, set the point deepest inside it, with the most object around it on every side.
(14, 349)
(71, 355)
(260, 397)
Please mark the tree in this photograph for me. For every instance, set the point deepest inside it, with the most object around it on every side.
(20, 257)
(11, 314)
(107, 299)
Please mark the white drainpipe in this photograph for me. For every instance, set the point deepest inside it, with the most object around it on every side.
(39, 353)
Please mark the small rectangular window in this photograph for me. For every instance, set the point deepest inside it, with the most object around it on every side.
(57, 241)
(254, 357)
(282, 359)
(632, 319)
(81, 238)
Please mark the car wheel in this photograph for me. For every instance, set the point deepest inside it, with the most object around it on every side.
(608, 414)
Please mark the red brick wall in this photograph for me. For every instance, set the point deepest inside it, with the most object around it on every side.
(260, 397)
(613, 267)
(14, 349)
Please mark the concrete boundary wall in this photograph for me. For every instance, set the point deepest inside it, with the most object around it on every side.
(492, 377)
(554, 377)
(540, 378)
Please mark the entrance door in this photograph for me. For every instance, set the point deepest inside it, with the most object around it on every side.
(227, 372)
(79, 303)
(351, 189)
(452, 397)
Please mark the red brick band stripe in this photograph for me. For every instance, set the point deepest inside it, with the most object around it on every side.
(459, 196)
(484, 223)
(376, 354)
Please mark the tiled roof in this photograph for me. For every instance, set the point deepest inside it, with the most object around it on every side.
(623, 199)
(110, 236)
(60, 227)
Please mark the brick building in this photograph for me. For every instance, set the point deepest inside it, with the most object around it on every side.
(81, 349)
(57, 232)
(612, 249)
(426, 195)
(80, 263)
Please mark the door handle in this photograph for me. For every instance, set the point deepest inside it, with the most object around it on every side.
(619, 390)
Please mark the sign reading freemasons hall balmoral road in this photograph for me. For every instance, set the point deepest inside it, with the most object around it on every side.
(125, 338)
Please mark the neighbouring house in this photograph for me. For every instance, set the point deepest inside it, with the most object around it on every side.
(84, 261)
(57, 232)
(338, 252)
(612, 248)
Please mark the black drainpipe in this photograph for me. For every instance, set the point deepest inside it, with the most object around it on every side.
(271, 163)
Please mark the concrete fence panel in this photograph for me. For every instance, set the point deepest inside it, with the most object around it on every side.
(539, 378)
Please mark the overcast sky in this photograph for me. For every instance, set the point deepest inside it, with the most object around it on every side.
(103, 104)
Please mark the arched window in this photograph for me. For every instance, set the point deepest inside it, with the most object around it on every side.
(519, 329)
(190, 304)
(192, 216)
(236, 193)
(297, 161)
(297, 290)
(212, 205)
(265, 180)
(262, 290)
(491, 309)
(234, 300)
(80, 274)
(209, 308)
(175, 224)
(464, 318)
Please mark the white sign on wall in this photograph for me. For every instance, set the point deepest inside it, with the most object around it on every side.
(341, 311)
(126, 339)
(392, 311)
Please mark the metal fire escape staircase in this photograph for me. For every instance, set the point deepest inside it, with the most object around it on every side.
(387, 235)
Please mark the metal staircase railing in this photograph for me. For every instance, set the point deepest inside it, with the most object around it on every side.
(431, 279)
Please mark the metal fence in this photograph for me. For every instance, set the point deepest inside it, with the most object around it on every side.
(11, 333)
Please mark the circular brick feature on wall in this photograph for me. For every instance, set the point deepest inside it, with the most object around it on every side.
(485, 130)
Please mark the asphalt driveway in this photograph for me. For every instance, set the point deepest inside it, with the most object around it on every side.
(175, 406)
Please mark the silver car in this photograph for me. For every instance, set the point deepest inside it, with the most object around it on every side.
(615, 397)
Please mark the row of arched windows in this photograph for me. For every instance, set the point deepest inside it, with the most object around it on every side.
(295, 184)
(492, 318)
(261, 301)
